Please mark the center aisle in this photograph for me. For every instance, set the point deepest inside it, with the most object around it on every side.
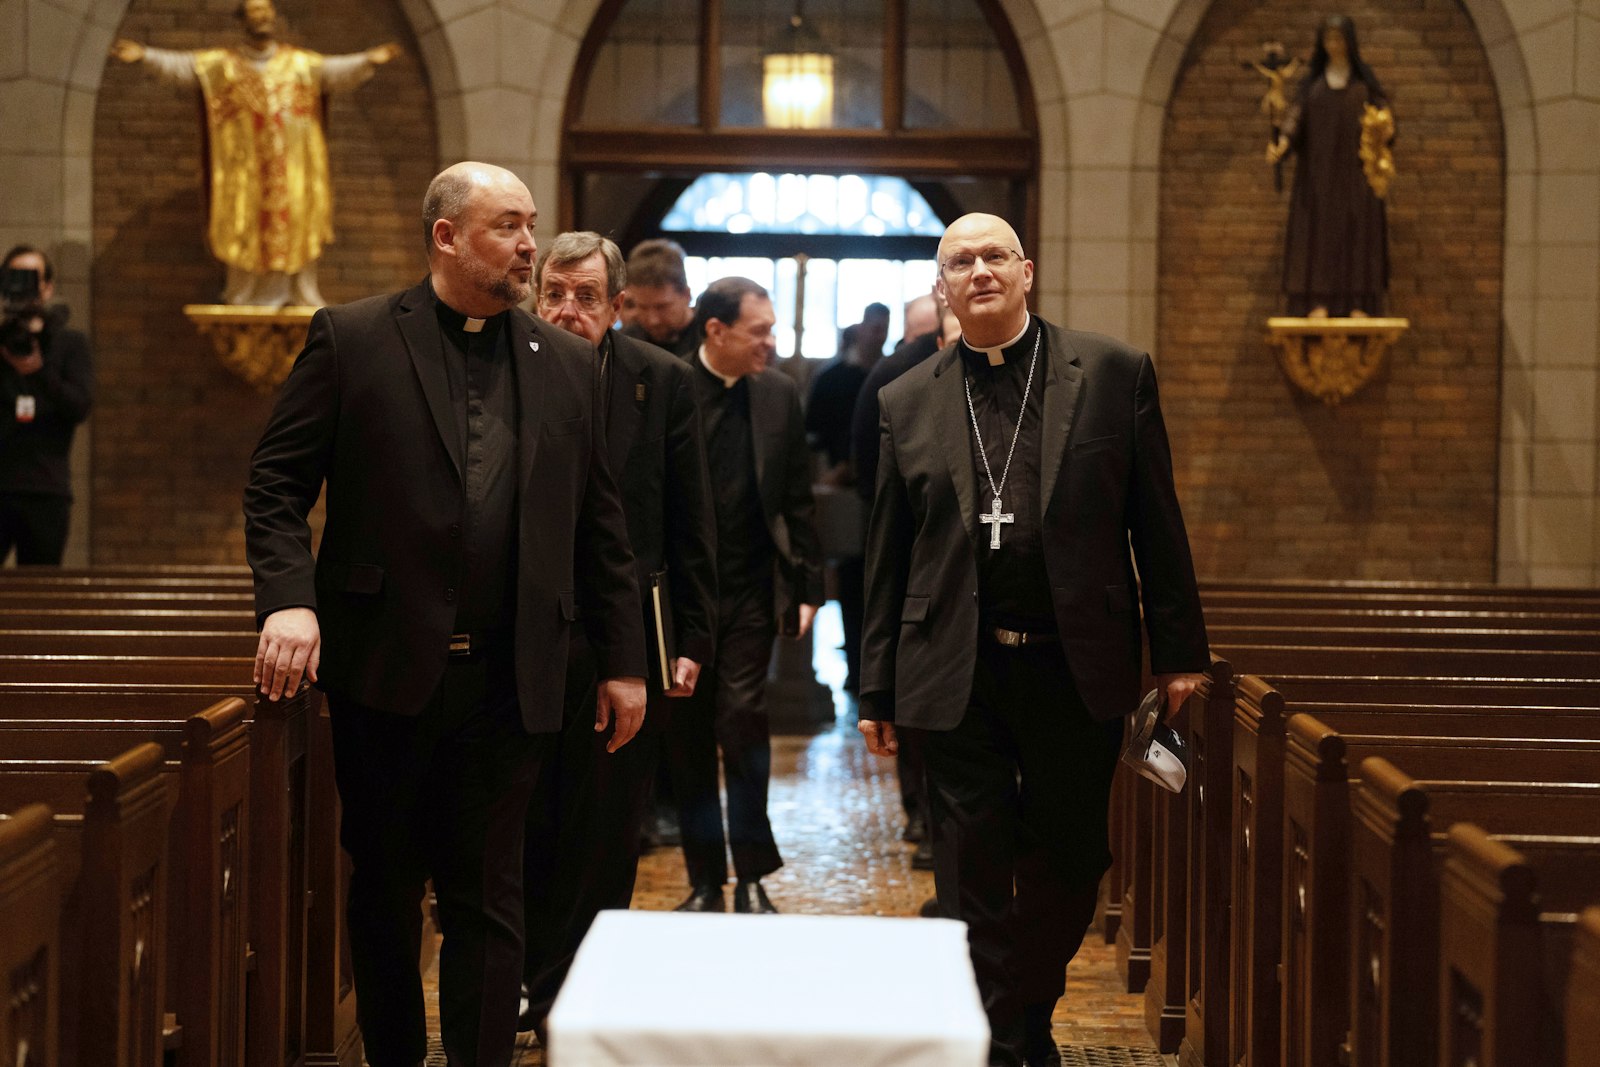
(836, 813)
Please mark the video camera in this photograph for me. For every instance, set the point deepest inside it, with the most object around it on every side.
(19, 289)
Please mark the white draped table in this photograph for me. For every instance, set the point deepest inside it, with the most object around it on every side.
(666, 989)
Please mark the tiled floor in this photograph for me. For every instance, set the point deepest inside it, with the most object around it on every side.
(836, 813)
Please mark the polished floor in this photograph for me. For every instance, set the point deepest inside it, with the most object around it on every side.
(836, 813)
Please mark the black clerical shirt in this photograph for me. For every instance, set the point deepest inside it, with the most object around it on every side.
(745, 551)
(483, 396)
(1013, 585)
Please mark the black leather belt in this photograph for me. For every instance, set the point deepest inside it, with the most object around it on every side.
(1018, 638)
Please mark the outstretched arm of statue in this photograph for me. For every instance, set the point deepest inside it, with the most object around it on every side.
(353, 69)
(175, 68)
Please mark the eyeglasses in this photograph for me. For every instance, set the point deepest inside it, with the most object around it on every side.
(586, 301)
(962, 263)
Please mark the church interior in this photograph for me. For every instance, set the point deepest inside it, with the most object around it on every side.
(1388, 848)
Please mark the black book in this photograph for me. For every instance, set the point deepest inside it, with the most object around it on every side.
(661, 639)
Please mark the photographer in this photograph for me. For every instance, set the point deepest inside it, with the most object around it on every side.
(46, 387)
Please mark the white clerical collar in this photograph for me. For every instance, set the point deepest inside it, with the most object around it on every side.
(996, 355)
(473, 325)
(727, 382)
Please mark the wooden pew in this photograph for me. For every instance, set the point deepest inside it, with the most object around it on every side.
(1508, 912)
(206, 853)
(1583, 992)
(1256, 846)
(30, 939)
(1507, 663)
(302, 999)
(1175, 999)
(239, 644)
(1375, 607)
(111, 826)
(35, 617)
(1397, 851)
(1403, 595)
(1134, 802)
(1546, 617)
(1320, 768)
(1180, 831)
(1571, 638)
(1208, 905)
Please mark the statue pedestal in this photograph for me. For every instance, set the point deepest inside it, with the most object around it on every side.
(259, 344)
(796, 702)
(1332, 358)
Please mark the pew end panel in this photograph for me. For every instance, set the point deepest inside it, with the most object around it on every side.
(1583, 992)
(1209, 890)
(30, 938)
(1256, 847)
(1506, 933)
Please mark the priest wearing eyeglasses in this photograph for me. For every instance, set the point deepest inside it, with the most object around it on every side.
(1023, 475)
(582, 848)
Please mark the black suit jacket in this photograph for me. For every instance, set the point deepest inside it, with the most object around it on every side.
(783, 477)
(1106, 470)
(783, 474)
(655, 447)
(367, 410)
(33, 455)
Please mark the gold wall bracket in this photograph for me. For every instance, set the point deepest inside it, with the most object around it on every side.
(1332, 358)
(259, 344)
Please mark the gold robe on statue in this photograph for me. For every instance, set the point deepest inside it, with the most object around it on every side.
(271, 200)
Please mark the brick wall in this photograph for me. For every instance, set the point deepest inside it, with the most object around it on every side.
(173, 428)
(1399, 481)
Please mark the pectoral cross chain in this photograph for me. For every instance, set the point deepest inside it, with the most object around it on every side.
(996, 517)
(993, 521)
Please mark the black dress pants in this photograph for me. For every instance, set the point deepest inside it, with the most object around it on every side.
(583, 828)
(1018, 795)
(36, 524)
(441, 795)
(851, 574)
(728, 709)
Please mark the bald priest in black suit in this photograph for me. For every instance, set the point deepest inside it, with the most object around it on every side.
(1023, 473)
(473, 527)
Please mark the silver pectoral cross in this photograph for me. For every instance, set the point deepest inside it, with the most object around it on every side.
(993, 521)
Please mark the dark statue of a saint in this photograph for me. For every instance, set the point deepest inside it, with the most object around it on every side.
(1336, 252)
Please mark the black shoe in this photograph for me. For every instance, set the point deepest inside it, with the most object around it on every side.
(930, 908)
(750, 899)
(916, 829)
(532, 1018)
(922, 858)
(704, 898)
(1038, 1041)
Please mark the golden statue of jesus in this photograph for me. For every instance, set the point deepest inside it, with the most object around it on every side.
(271, 202)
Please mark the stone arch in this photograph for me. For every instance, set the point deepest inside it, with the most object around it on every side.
(571, 25)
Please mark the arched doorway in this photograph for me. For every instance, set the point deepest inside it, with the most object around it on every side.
(931, 92)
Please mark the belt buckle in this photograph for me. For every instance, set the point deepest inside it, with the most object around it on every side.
(460, 644)
(1009, 638)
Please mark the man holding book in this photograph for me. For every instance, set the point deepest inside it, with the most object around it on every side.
(584, 822)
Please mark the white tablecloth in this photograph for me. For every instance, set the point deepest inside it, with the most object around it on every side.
(672, 990)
